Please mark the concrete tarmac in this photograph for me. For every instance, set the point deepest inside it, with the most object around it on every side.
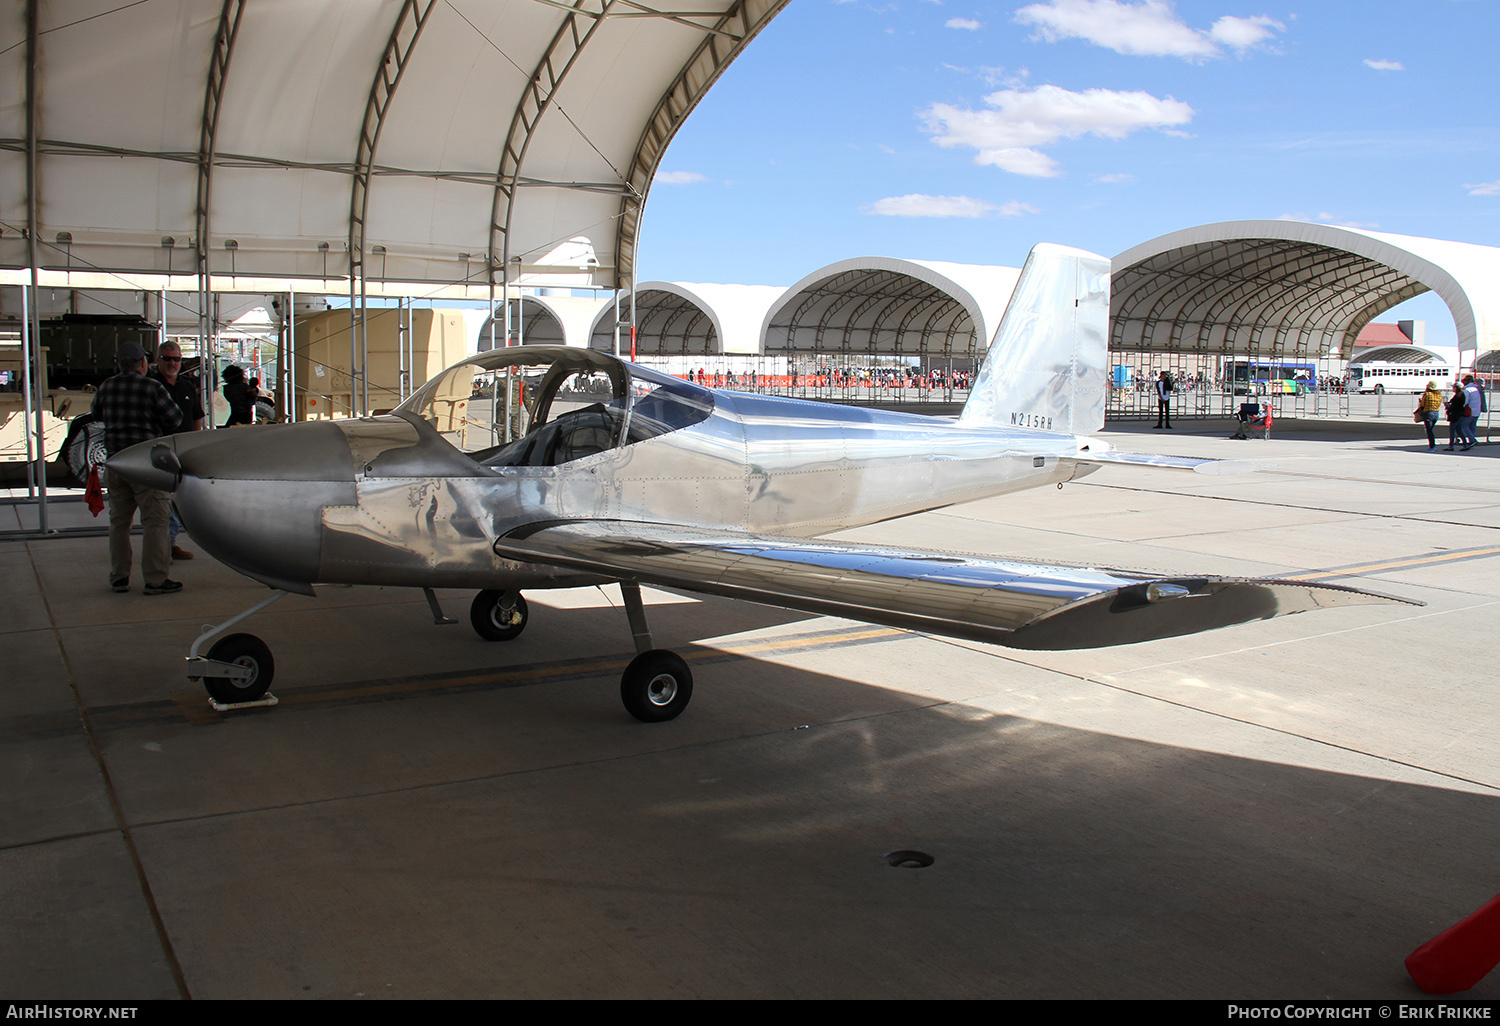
(1282, 809)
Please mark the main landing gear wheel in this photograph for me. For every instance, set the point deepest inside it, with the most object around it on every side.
(493, 620)
(657, 686)
(245, 650)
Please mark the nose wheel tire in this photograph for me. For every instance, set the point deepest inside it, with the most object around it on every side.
(657, 686)
(493, 621)
(244, 650)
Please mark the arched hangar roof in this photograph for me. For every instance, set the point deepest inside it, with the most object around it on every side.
(1399, 354)
(408, 141)
(545, 320)
(676, 318)
(887, 305)
(1292, 287)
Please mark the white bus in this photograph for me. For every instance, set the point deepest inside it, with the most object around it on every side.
(1381, 376)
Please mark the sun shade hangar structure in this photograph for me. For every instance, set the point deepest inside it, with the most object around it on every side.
(428, 148)
(1290, 291)
(542, 320)
(409, 141)
(883, 305)
(688, 319)
(880, 321)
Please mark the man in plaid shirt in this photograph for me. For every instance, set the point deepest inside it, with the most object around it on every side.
(134, 408)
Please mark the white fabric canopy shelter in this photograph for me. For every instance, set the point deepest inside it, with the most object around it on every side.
(890, 305)
(1399, 354)
(1293, 288)
(691, 319)
(400, 141)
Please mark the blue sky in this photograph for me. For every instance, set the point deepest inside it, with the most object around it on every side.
(955, 130)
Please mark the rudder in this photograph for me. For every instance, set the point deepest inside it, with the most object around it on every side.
(1048, 365)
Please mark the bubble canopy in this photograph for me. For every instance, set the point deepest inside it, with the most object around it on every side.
(545, 406)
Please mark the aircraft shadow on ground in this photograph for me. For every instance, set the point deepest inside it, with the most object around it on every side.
(532, 841)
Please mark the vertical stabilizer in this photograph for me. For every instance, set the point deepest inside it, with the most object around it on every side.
(1048, 365)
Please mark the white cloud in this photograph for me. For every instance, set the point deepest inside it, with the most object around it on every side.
(1114, 179)
(1243, 33)
(968, 24)
(1384, 65)
(678, 178)
(1484, 188)
(1007, 136)
(1147, 29)
(919, 205)
(1015, 208)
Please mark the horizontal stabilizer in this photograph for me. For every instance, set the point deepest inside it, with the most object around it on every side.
(1021, 605)
(1101, 455)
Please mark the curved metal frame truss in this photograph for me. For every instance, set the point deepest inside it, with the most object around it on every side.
(1302, 295)
(890, 301)
(730, 33)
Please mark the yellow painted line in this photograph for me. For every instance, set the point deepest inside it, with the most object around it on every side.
(1432, 559)
(771, 644)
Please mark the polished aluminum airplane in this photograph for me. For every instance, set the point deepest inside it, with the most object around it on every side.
(560, 467)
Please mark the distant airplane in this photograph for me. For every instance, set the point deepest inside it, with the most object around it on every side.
(558, 467)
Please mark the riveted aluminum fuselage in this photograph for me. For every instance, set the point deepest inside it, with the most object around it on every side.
(388, 501)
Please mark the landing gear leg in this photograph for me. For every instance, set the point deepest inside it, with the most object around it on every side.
(657, 685)
(237, 671)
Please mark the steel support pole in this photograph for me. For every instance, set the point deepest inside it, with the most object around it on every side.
(289, 398)
(26, 412)
(33, 226)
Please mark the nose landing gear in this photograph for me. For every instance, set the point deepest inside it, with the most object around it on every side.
(238, 670)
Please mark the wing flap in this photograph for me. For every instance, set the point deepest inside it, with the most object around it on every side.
(1018, 604)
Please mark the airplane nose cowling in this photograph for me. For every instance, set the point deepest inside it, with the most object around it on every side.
(143, 465)
(253, 498)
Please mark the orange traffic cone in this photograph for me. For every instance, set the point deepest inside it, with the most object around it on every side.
(1461, 955)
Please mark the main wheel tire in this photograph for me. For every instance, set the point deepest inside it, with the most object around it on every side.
(1380, 390)
(657, 686)
(492, 621)
(245, 650)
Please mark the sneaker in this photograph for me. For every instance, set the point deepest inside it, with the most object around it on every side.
(164, 588)
(123, 584)
(178, 552)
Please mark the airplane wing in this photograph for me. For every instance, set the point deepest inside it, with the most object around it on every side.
(1020, 605)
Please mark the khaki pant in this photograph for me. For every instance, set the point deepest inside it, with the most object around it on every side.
(156, 507)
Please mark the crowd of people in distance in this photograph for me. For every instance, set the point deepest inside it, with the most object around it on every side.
(835, 378)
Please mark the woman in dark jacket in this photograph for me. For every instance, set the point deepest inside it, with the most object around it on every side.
(1455, 408)
(237, 393)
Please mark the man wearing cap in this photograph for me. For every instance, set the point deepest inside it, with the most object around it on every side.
(1473, 407)
(134, 408)
(184, 391)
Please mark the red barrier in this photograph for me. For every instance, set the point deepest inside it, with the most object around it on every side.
(1461, 955)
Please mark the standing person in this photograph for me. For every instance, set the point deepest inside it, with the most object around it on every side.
(1164, 400)
(1454, 409)
(237, 394)
(133, 409)
(1427, 408)
(1474, 406)
(183, 389)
